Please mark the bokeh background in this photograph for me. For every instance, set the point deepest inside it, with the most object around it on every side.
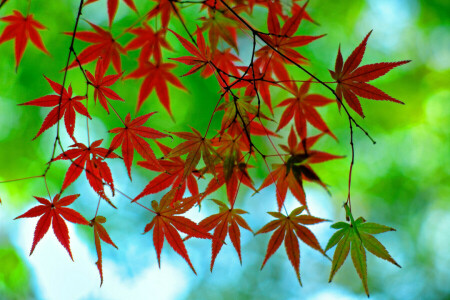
(402, 182)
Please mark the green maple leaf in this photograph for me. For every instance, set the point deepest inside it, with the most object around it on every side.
(356, 237)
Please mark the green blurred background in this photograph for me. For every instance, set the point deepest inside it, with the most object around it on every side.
(402, 182)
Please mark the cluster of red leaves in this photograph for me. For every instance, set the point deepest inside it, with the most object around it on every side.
(297, 168)
(91, 160)
(54, 213)
(245, 104)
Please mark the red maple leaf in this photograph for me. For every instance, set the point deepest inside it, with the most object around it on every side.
(101, 82)
(165, 8)
(104, 46)
(352, 80)
(90, 159)
(224, 223)
(232, 176)
(232, 170)
(290, 228)
(240, 120)
(259, 78)
(195, 146)
(100, 233)
(148, 42)
(131, 138)
(201, 55)
(225, 61)
(53, 213)
(112, 7)
(302, 107)
(283, 11)
(22, 28)
(156, 77)
(220, 26)
(282, 39)
(229, 149)
(167, 224)
(65, 106)
(173, 176)
(296, 168)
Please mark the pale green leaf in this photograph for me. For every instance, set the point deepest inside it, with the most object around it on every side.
(359, 260)
(376, 248)
(335, 238)
(340, 254)
(373, 228)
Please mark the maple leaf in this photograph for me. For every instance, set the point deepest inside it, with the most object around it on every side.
(289, 229)
(230, 151)
(220, 26)
(196, 146)
(101, 82)
(224, 223)
(232, 169)
(225, 61)
(231, 174)
(352, 81)
(281, 38)
(241, 112)
(66, 105)
(257, 78)
(296, 168)
(166, 224)
(173, 176)
(131, 138)
(201, 55)
(90, 159)
(214, 6)
(302, 107)
(165, 8)
(355, 237)
(244, 130)
(100, 233)
(112, 7)
(104, 46)
(22, 28)
(156, 77)
(148, 42)
(284, 8)
(53, 213)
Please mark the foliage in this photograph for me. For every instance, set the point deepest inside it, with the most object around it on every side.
(222, 157)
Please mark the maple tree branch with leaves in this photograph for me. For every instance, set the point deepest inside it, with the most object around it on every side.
(245, 106)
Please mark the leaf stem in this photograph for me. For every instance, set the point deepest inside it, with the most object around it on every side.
(46, 186)
(115, 112)
(20, 179)
(2, 3)
(66, 69)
